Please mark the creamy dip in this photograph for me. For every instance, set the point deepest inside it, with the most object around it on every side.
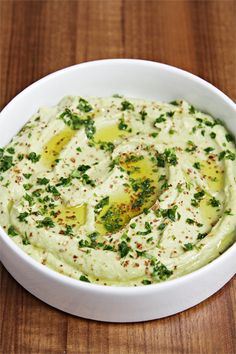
(120, 191)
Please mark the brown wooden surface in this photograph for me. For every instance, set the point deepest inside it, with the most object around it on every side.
(38, 37)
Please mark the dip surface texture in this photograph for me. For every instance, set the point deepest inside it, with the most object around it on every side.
(120, 191)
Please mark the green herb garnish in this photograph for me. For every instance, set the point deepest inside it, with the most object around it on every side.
(99, 206)
(126, 105)
(106, 146)
(124, 249)
(143, 115)
(84, 278)
(191, 146)
(147, 231)
(213, 135)
(146, 282)
(84, 106)
(33, 157)
(214, 202)
(160, 119)
(209, 149)
(188, 246)
(122, 125)
(46, 222)
(197, 165)
(12, 231)
(6, 162)
(22, 217)
(160, 270)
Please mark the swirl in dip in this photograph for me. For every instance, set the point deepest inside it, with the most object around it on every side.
(120, 191)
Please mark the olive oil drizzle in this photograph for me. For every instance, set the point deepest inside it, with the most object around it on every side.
(55, 145)
(129, 201)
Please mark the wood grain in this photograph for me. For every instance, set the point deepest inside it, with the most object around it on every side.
(38, 37)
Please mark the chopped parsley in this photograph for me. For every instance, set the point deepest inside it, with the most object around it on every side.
(212, 135)
(226, 154)
(106, 146)
(84, 106)
(160, 270)
(197, 165)
(71, 119)
(37, 193)
(162, 226)
(209, 149)
(33, 157)
(83, 168)
(200, 236)
(12, 231)
(168, 156)
(27, 175)
(165, 185)
(114, 163)
(99, 206)
(84, 278)
(53, 190)
(87, 180)
(143, 115)
(190, 221)
(188, 246)
(192, 110)
(170, 113)
(68, 231)
(75, 122)
(90, 128)
(11, 150)
(214, 202)
(229, 138)
(122, 125)
(228, 212)
(6, 162)
(197, 198)
(147, 231)
(126, 105)
(124, 249)
(20, 157)
(27, 186)
(64, 181)
(191, 146)
(81, 175)
(160, 119)
(22, 217)
(86, 243)
(25, 240)
(174, 103)
(46, 222)
(29, 199)
(170, 213)
(146, 282)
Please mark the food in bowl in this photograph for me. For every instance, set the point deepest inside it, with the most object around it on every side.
(120, 191)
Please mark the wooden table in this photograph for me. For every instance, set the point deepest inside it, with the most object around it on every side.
(38, 37)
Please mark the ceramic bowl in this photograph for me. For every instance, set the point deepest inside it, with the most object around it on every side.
(134, 78)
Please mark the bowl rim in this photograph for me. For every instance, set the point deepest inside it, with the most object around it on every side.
(111, 289)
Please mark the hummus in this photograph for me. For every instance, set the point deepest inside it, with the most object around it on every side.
(120, 191)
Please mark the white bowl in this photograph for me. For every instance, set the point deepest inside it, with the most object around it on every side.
(134, 78)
